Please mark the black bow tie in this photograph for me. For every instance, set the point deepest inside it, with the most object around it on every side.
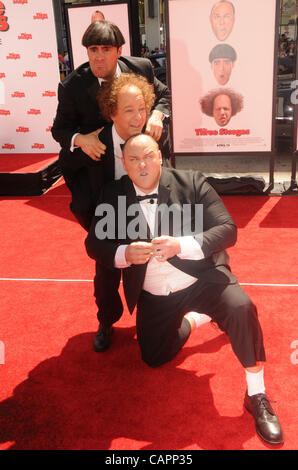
(148, 196)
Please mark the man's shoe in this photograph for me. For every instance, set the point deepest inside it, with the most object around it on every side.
(266, 421)
(102, 339)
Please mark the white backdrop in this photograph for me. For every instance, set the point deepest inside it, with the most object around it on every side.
(29, 76)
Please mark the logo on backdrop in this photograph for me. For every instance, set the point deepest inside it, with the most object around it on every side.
(29, 74)
(37, 146)
(8, 146)
(49, 93)
(18, 94)
(2, 75)
(22, 129)
(21, 2)
(25, 36)
(34, 111)
(40, 16)
(4, 112)
(4, 26)
(12, 55)
(45, 55)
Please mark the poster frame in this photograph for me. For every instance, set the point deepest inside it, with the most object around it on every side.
(295, 130)
(271, 153)
(133, 23)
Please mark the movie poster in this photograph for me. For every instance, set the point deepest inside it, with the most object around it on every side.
(79, 18)
(222, 75)
(294, 100)
(29, 75)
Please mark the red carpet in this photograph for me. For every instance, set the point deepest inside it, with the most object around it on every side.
(56, 393)
(18, 162)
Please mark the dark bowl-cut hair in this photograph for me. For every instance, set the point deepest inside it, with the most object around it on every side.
(103, 33)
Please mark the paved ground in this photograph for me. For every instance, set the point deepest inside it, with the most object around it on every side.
(226, 165)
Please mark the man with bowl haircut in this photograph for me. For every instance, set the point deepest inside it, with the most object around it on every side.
(79, 119)
(222, 59)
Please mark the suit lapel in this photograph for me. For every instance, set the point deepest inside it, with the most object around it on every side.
(92, 84)
(164, 191)
(109, 158)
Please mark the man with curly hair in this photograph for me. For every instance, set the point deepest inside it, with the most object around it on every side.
(125, 103)
(222, 104)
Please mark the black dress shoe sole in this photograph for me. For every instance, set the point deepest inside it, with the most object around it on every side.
(104, 348)
(246, 406)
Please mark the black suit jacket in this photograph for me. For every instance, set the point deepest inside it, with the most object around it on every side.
(175, 187)
(78, 112)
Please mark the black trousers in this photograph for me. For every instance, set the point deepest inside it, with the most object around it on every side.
(162, 329)
(107, 298)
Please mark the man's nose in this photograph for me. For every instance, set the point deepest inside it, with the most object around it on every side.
(98, 55)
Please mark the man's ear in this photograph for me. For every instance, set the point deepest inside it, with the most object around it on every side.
(119, 51)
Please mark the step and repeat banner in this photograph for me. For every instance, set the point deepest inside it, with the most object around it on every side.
(80, 16)
(222, 61)
(29, 76)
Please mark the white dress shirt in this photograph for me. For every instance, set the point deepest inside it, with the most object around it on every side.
(161, 277)
(117, 141)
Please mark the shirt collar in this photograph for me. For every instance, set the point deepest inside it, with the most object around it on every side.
(117, 73)
(117, 140)
(139, 192)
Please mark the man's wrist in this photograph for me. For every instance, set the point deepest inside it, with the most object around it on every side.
(158, 114)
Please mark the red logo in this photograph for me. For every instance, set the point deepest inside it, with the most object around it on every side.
(49, 93)
(40, 16)
(18, 94)
(8, 146)
(12, 55)
(48, 129)
(29, 74)
(25, 36)
(45, 55)
(22, 129)
(2, 75)
(4, 26)
(33, 111)
(4, 112)
(21, 2)
(37, 146)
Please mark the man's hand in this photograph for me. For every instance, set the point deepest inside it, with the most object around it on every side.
(138, 252)
(90, 144)
(154, 125)
(165, 247)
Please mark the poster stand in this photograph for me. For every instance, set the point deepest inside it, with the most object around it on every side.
(270, 186)
(292, 186)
